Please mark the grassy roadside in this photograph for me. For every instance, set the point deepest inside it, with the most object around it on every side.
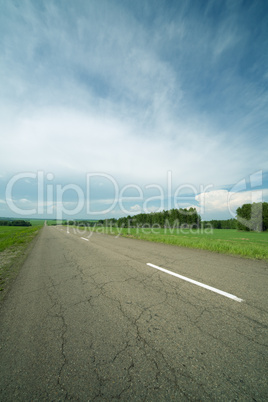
(225, 241)
(14, 241)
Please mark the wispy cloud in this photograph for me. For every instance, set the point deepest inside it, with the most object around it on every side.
(134, 91)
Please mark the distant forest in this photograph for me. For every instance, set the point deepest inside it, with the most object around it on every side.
(250, 217)
(172, 218)
(17, 222)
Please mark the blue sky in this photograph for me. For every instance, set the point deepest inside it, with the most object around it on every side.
(112, 107)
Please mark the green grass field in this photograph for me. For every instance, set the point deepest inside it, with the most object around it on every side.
(13, 242)
(37, 222)
(227, 241)
(13, 236)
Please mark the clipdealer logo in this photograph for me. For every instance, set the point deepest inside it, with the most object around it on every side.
(51, 197)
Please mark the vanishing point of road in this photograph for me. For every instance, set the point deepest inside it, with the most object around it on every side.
(88, 319)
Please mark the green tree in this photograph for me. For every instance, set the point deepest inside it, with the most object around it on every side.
(253, 216)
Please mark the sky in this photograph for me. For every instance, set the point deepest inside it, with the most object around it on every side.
(111, 108)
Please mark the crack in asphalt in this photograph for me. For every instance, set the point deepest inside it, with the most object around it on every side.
(142, 321)
(56, 304)
(141, 342)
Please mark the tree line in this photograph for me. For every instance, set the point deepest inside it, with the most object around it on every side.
(249, 217)
(171, 218)
(174, 218)
(17, 222)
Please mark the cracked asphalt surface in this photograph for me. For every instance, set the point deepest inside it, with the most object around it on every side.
(89, 320)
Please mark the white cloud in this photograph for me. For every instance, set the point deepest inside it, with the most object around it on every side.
(70, 144)
(227, 201)
(136, 208)
(93, 88)
(25, 201)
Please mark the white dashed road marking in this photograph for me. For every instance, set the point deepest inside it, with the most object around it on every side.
(221, 292)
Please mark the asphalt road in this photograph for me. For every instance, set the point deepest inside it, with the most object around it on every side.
(90, 320)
